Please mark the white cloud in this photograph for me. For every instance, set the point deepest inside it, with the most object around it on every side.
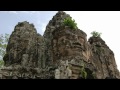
(28, 12)
(17, 12)
(14, 12)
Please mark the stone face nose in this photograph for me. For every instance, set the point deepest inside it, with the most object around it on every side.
(76, 40)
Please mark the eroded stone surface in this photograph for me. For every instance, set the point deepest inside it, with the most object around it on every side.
(103, 59)
(61, 53)
(71, 48)
(25, 46)
(55, 22)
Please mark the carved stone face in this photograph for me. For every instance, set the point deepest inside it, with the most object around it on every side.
(67, 43)
(16, 50)
(17, 47)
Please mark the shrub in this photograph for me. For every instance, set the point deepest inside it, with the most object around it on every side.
(83, 72)
(3, 44)
(96, 34)
(1, 63)
(69, 22)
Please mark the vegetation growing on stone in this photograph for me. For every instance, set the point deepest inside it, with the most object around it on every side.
(93, 74)
(96, 34)
(83, 72)
(33, 56)
(1, 63)
(69, 22)
(3, 45)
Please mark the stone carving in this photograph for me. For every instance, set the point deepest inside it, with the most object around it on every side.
(61, 53)
(103, 59)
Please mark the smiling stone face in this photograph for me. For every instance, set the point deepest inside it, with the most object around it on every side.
(68, 43)
(23, 48)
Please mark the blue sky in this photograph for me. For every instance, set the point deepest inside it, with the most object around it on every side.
(9, 19)
(106, 22)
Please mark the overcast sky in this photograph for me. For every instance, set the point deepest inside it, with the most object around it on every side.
(106, 22)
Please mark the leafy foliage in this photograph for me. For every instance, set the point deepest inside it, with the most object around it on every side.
(96, 34)
(83, 73)
(94, 75)
(1, 63)
(3, 44)
(69, 22)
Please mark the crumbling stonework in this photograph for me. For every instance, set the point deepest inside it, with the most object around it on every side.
(61, 53)
(103, 59)
(69, 46)
(25, 51)
(56, 22)
(24, 46)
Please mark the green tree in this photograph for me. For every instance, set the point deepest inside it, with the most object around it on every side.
(69, 22)
(96, 34)
(3, 44)
(1, 63)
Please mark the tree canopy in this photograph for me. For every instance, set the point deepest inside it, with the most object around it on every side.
(69, 22)
(96, 34)
(3, 44)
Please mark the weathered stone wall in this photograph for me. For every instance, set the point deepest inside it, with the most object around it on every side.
(25, 46)
(103, 59)
(61, 53)
(56, 22)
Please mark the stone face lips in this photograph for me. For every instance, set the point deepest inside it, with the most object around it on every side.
(61, 53)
